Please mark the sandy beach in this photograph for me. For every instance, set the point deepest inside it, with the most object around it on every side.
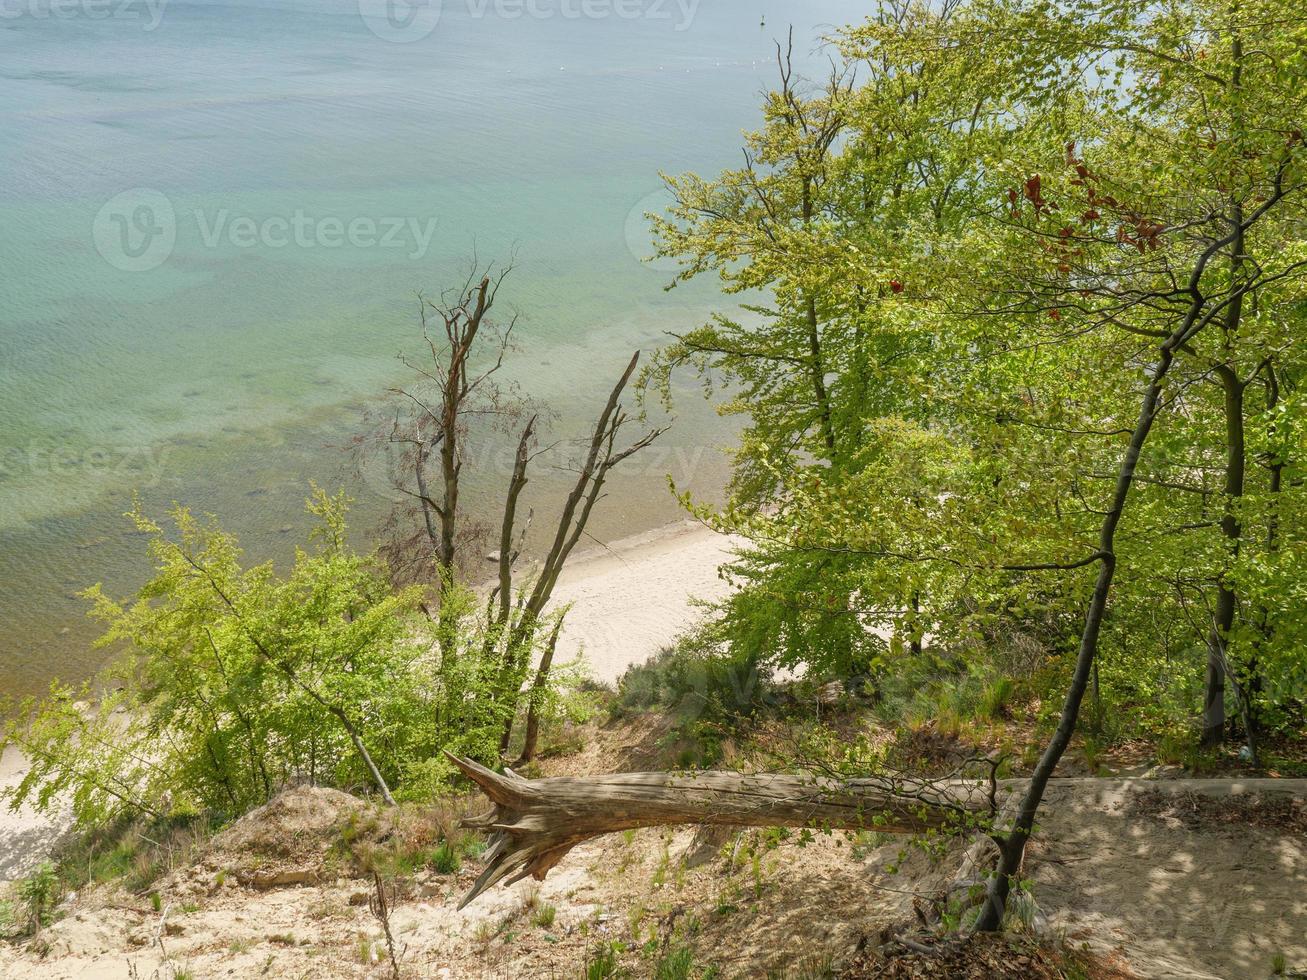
(25, 836)
(635, 596)
(629, 599)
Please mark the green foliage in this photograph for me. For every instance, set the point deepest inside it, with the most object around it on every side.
(37, 895)
(544, 916)
(702, 686)
(445, 859)
(601, 962)
(995, 697)
(813, 967)
(970, 243)
(233, 682)
(676, 964)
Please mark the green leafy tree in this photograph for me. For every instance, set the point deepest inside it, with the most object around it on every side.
(233, 681)
(1069, 236)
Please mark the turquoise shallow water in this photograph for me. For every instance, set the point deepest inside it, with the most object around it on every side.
(215, 217)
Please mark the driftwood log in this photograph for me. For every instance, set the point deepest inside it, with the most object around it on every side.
(534, 822)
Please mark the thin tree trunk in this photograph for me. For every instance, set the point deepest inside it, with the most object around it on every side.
(537, 692)
(600, 459)
(818, 371)
(1227, 602)
(362, 750)
(1012, 847)
(507, 553)
(817, 365)
(1275, 469)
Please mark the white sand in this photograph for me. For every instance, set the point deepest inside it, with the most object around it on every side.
(629, 599)
(636, 596)
(26, 836)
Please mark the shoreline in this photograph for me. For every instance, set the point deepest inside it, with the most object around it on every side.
(629, 599)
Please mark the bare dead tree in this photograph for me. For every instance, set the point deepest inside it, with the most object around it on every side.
(538, 688)
(381, 903)
(516, 624)
(428, 540)
(455, 386)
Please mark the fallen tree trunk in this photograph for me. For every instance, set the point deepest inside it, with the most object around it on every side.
(535, 822)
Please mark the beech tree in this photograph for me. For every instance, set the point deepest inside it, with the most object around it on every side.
(1070, 233)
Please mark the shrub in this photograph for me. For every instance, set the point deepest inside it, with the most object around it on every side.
(544, 916)
(445, 858)
(995, 697)
(234, 682)
(37, 894)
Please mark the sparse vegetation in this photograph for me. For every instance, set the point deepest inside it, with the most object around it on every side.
(446, 859)
(544, 916)
(36, 897)
(676, 964)
(601, 962)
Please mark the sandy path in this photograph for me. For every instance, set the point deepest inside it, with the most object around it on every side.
(1213, 903)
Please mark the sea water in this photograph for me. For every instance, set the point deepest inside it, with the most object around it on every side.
(216, 219)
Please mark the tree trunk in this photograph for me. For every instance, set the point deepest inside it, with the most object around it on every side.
(537, 692)
(1227, 603)
(536, 822)
(1012, 846)
(586, 492)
